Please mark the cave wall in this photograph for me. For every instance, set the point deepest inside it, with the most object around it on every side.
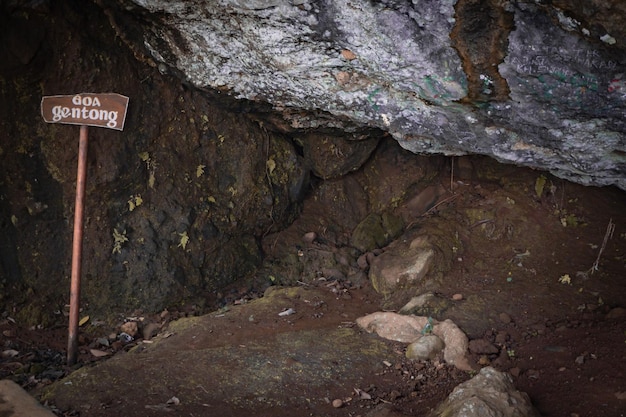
(538, 84)
(175, 204)
(221, 143)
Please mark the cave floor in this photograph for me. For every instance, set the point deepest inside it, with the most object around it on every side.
(560, 327)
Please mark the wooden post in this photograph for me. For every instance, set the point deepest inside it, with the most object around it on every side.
(77, 248)
(85, 109)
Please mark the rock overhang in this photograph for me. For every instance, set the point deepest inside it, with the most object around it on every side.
(527, 84)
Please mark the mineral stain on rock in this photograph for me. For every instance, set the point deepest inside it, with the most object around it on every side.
(480, 36)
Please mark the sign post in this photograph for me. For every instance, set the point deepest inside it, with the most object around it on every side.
(103, 110)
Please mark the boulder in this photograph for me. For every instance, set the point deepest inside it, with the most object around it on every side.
(402, 265)
(408, 329)
(545, 89)
(490, 393)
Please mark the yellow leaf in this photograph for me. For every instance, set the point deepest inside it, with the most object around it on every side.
(83, 320)
(200, 170)
(184, 240)
(271, 165)
(151, 180)
(539, 184)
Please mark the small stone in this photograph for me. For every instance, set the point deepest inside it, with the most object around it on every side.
(362, 262)
(370, 256)
(505, 318)
(337, 403)
(482, 347)
(457, 297)
(483, 361)
(309, 237)
(348, 54)
(502, 337)
(503, 361)
(616, 313)
(426, 347)
(130, 327)
(9, 333)
(150, 330)
(515, 371)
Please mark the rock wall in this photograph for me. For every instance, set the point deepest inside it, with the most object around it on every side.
(534, 84)
(175, 203)
(240, 109)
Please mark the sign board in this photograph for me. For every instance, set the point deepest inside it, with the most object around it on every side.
(86, 109)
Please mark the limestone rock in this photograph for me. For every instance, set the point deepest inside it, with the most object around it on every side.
(402, 265)
(427, 304)
(407, 329)
(546, 91)
(393, 326)
(16, 402)
(490, 393)
(426, 347)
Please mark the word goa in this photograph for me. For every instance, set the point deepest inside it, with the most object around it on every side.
(103, 110)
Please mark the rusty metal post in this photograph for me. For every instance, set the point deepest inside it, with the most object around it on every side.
(77, 248)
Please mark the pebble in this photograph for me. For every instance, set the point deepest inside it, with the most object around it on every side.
(502, 337)
(348, 54)
(505, 318)
(130, 327)
(484, 360)
(457, 297)
(309, 237)
(482, 347)
(337, 403)
(616, 313)
(362, 262)
(426, 347)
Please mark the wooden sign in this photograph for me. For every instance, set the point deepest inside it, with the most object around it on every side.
(86, 109)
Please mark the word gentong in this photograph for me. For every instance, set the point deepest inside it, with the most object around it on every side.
(86, 111)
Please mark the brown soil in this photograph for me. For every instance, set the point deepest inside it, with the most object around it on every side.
(562, 342)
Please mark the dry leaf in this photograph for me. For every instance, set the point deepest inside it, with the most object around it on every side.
(99, 353)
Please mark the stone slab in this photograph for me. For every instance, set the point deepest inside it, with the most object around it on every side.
(15, 402)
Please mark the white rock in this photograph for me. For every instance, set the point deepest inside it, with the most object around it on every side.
(490, 393)
(402, 265)
(426, 347)
(407, 329)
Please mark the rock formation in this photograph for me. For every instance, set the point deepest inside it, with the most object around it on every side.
(534, 84)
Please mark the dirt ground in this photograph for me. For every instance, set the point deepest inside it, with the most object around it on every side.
(559, 324)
